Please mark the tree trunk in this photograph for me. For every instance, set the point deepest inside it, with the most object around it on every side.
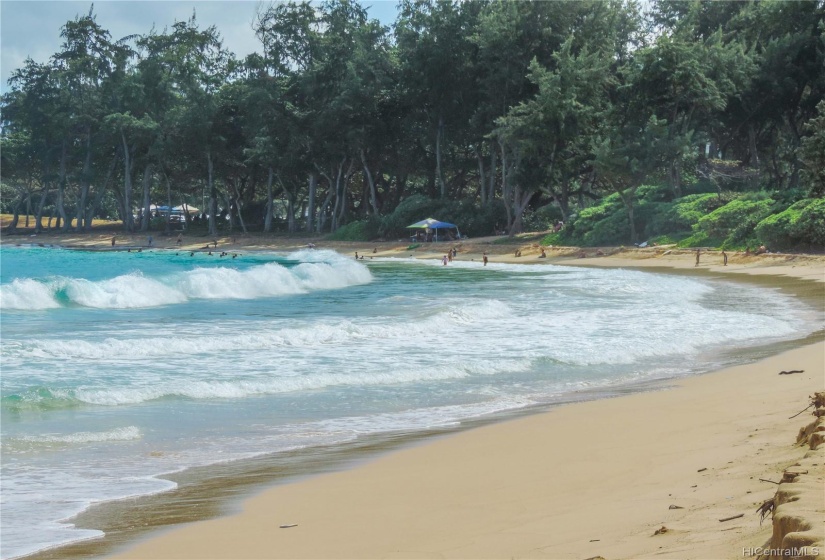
(322, 211)
(238, 207)
(16, 216)
(99, 195)
(38, 219)
(168, 227)
(28, 208)
(627, 198)
(147, 201)
(227, 199)
(313, 185)
(492, 178)
(213, 196)
(85, 179)
(482, 183)
(290, 212)
(127, 185)
(368, 175)
(438, 172)
(269, 202)
(61, 191)
(505, 190)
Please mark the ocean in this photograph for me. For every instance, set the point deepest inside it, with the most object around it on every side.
(118, 368)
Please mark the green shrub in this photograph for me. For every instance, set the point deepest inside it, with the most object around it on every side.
(555, 238)
(362, 230)
(800, 225)
(735, 221)
(700, 239)
(613, 229)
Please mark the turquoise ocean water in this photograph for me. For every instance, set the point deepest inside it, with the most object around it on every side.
(120, 367)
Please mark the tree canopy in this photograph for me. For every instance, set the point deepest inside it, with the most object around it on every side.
(505, 114)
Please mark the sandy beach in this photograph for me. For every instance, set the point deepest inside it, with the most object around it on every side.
(587, 480)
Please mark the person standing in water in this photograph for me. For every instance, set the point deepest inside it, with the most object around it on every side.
(724, 258)
(697, 258)
(484, 258)
(444, 260)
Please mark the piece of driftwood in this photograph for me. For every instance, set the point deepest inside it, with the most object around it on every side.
(790, 371)
(289, 526)
(766, 508)
(661, 531)
(703, 469)
(675, 507)
(800, 412)
(732, 517)
(766, 480)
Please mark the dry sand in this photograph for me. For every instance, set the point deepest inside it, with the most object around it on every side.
(580, 481)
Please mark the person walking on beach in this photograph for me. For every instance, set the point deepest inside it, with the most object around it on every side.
(149, 239)
(724, 258)
(697, 258)
(484, 258)
(114, 237)
(180, 239)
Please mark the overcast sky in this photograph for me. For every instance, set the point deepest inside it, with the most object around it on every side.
(32, 27)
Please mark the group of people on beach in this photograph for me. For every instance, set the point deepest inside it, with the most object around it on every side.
(451, 254)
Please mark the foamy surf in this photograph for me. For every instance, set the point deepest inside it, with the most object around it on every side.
(136, 290)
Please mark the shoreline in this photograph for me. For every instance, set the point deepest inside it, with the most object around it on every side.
(567, 483)
(804, 267)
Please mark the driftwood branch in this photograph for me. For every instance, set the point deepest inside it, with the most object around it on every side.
(791, 371)
(800, 412)
(732, 517)
(765, 480)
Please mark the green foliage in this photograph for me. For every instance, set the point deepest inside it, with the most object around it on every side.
(556, 238)
(362, 230)
(471, 219)
(700, 239)
(800, 225)
(735, 221)
(543, 218)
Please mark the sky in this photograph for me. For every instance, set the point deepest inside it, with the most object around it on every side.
(32, 27)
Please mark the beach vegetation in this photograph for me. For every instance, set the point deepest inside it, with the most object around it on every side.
(696, 122)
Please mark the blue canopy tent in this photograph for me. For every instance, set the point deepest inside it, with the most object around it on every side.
(435, 225)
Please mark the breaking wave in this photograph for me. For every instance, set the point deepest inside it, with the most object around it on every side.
(135, 290)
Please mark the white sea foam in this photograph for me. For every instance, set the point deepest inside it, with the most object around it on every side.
(134, 290)
(118, 434)
(27, 294)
